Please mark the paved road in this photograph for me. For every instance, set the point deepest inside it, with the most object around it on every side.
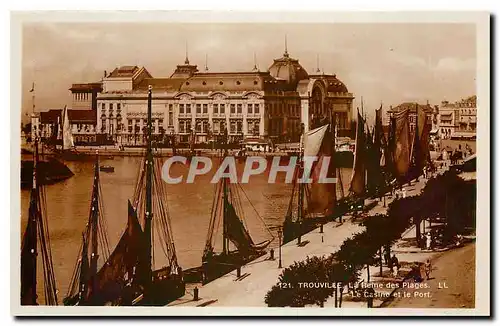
(454, 269)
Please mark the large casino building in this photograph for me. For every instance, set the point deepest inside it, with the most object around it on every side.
(200, 105)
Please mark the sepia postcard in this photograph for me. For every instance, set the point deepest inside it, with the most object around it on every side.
(250, 164)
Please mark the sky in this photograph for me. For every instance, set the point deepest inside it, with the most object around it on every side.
(387, 63)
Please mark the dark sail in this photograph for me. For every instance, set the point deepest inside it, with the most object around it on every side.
(29, 255)
(375, 178)
(37, 237)
(119, 269)
(425, 130)
(402, 144)
(236, 231)
(358, 179)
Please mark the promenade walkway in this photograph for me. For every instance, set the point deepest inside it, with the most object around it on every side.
(258, 276)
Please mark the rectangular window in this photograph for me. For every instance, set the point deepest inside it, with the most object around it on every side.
(256, 109)
(170, 107)
(222, 108)
(233, 109)
(129, 122)
(238, 126)
(129, 128)
(198, 108)
(256, 128)
(170, 118)
(198, 126)
(250, 108)
(110, 106)
(160, 122)
(216, 108)
(182, 126)
(239, 108)
(233, 127)
(118, 107)
(188, 108)
(103, 105)
(216, 126)
(205, 108)
(181, 108)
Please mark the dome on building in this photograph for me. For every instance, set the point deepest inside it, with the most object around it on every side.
(334, 85)
(289, 69)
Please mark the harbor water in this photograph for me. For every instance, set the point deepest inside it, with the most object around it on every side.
(68, 203)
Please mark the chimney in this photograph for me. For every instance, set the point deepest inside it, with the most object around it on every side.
(105, 74)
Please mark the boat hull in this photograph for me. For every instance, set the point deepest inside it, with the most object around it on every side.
(49, 172)
(219, 265)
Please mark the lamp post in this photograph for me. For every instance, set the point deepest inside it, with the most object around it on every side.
(280, 233)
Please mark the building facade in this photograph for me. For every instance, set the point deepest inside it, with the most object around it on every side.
(47, 125)
(84, 96)
(200, 106)
(459, 119)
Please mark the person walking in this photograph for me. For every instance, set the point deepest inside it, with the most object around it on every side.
(428, 239)
(423, 242)
(428, 269)
(395, 265)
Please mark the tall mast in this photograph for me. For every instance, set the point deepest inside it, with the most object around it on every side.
(225, 241)
(149, 194)
(33, 216)
(300, 213)
(94, 215)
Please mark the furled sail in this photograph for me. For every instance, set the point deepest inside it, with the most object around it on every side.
(402, 144)
(37, 237)
(29, 255)
(375, 161)
(66, 130)
(425, 131)
(358, 179)
(322, 196)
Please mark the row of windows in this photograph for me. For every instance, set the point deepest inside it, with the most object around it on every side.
(468, 111)
(218, 126)
(118, 107)
(219, 108)
(81, 96)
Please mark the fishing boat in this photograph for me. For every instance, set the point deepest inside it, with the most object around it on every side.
(159, 286)
(128, 275)
(49, 171)
(238, 246)
(89, 285)
(312, 204)
(36, 243)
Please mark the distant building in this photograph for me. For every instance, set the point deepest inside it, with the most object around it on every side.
(82, 122)
(459, 119)
(269, 105)
(412, 116)
(84, 96)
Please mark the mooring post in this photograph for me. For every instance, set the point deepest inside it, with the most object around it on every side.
(271, 253)
(238, 271)
(321, 228)
(196, 294)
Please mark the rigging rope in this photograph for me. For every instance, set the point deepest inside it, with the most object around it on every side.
(255, 210)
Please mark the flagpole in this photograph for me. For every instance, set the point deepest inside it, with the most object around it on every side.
(33, 96)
